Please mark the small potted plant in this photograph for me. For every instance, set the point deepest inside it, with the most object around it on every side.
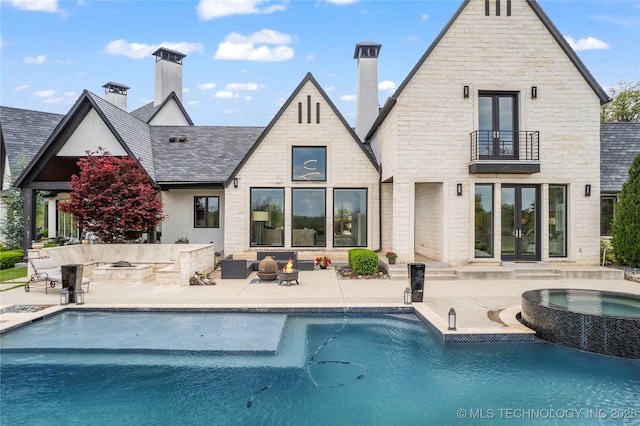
(323, 261)
(391, 256)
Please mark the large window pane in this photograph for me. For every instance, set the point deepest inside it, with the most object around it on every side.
(206, 212)
(350, 217)
(484, 221)
(309, 163)
(267, 217)
(607, 213)
(557, 221)
(308, 218)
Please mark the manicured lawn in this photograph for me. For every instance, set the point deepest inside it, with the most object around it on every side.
(12, 274)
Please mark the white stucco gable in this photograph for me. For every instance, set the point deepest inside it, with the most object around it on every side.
(91, 134)
(170, 114)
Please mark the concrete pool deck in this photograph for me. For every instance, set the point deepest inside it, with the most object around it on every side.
(483, 306)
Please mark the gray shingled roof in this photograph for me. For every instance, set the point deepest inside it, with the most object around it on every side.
(145, 112)
(24, 132)
(209, 154)
(619, 144)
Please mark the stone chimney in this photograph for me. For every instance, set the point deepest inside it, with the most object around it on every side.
(168, 74)
(367, 106)
(116, 94)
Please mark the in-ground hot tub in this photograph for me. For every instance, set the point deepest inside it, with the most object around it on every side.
(591, 320)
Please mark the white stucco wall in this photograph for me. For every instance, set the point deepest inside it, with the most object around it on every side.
(169, 115)
(426, 136)
(271, 164)
(178, 205)
(91, 134)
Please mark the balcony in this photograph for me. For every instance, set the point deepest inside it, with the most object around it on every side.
(499, 151)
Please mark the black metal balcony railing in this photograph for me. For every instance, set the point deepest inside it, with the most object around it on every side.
(499, 145)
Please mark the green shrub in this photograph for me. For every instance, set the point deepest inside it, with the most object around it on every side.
(363, 261)
(625, 229)
(9, 258)
(607, 256)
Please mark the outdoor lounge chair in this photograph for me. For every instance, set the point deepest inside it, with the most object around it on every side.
(46, 270)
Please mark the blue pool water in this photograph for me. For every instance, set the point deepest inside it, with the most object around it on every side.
(119, 368)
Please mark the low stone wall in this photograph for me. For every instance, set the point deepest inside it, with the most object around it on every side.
(173, 264)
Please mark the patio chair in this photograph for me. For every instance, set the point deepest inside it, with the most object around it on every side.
(46, 270)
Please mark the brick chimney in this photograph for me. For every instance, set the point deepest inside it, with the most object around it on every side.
(168, 74)
(116, 94)
(367, 106)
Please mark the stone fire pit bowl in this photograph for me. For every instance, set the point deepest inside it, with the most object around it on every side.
(288, 277)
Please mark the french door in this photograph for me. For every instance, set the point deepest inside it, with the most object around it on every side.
(520, 222)
(498, 125)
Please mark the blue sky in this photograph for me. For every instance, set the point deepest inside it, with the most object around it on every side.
(245, 57)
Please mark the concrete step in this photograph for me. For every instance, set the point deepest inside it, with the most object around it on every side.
(538, 275)
(485, 273)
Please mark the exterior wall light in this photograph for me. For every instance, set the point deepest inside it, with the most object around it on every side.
(452, 319)
(587, 190)
(534, 92)
(235, 182)
(459, 189)
(465, 92)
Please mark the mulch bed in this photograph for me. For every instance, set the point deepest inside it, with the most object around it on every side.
(346, 273)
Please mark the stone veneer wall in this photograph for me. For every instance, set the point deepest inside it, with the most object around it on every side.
(425, 138)
(174, 263)
(270, 167)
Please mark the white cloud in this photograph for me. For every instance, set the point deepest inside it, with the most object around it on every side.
(37, 60)
(35, 5)
(212, 9)
(1, 42)
(243, 86)
(185, 90)
(45, 93)
(342, 2)
(225, 94)
(254, 47)
(425, 17)
(122, 47)
(21, 88)
(348, 98)
(193, 102)
(387, 85)
(310, 57)
(589, 43)
(248, 98)
(206, 86)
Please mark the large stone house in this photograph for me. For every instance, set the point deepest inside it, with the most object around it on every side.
(488, 151)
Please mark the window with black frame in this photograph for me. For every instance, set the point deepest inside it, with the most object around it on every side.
(309, 163)
(350, 217)
(483, 229)
(607, 213)
(267, 217)
(557, 220)
(308, 217)
(206, 212)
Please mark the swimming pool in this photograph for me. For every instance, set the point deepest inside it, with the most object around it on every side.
(105, 368)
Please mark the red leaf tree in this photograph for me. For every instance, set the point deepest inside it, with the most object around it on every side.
(112, 197)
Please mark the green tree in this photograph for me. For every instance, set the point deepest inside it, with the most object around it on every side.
(625, 106)
(13, 228)
(625, 229)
